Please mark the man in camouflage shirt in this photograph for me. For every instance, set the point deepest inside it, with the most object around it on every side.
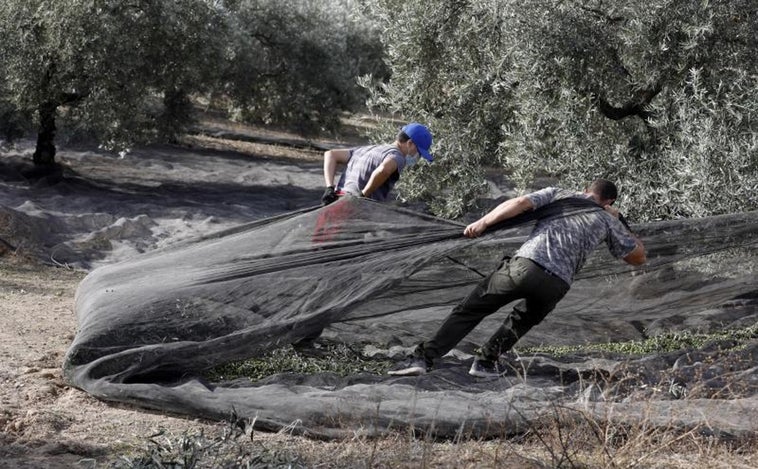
(540, 273)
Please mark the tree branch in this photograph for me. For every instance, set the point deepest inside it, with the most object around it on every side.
(68, 98)
(603, 15)
(635, 107)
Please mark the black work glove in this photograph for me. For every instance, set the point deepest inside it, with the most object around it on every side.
(329, 196)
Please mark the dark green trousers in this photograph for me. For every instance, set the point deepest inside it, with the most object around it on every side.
(514, 279)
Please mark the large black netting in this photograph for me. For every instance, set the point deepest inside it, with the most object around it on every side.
(365, 273)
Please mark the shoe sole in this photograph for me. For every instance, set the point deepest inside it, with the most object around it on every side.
(412, 371)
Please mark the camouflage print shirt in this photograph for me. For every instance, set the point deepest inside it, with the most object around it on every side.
(562, 244)
(363, 161)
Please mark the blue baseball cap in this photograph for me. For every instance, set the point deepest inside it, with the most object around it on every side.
(420, 136)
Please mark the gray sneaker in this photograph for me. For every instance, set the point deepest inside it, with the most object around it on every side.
(413, 367)
(482, 368)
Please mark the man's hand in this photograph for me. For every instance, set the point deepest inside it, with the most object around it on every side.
(508, 209)
(612, 211)
(329, 196)
(474, 230)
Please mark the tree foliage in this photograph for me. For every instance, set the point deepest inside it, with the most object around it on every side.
(296, 61)
(124, 72)
(660, 95)
(102, 63)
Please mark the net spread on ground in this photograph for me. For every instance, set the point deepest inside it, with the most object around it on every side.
(382, 278)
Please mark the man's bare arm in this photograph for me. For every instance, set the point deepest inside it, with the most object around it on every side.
(638, 255)
(331, 159)
(508, 209)
(379, 176)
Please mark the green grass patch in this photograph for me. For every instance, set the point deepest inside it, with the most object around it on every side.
(662, 343)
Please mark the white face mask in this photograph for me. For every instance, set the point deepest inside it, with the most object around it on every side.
(411, 160)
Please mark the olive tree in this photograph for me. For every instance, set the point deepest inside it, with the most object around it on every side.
(449, 69)
(297, 61)
(125, 72)
(102, 63)
(658, 95)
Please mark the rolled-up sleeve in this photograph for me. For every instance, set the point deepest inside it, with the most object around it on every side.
(542, 197)
(620, 241)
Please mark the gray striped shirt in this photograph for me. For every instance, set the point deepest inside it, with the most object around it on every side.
(363, 161)
(562, 244)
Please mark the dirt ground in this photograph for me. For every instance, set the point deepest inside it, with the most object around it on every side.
(44, 422)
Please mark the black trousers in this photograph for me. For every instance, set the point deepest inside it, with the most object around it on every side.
(514, 279)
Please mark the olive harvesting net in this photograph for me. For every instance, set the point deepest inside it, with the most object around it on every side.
(382, 277)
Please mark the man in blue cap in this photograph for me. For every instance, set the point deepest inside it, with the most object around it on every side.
(373, 170)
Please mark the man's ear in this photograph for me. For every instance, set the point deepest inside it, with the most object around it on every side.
(405, 147)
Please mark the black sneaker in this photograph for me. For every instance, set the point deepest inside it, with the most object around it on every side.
(414, 366)
(482, 368)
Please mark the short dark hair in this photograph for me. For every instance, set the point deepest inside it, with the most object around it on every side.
(402, 137)
(605, 189)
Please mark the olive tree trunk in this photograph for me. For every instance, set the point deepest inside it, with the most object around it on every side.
(44, 154)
